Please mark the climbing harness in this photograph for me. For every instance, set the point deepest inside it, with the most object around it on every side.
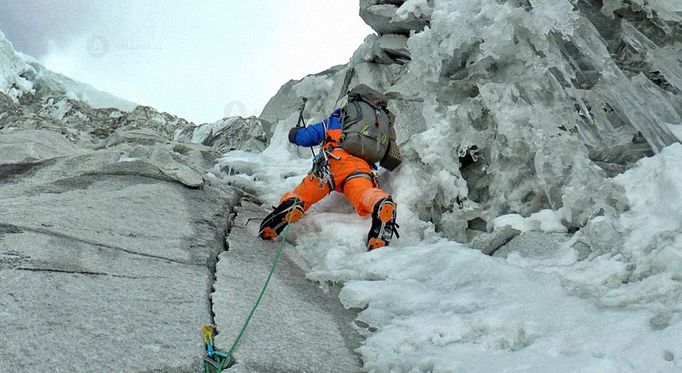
(321, 171)
(227, 358)
(371, 176)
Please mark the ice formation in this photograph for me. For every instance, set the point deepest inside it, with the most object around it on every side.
(11, 69)
(518, 106)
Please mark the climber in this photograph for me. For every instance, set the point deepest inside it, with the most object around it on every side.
(353, 139)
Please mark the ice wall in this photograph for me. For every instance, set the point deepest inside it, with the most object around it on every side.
(12, 67)
(519, 105)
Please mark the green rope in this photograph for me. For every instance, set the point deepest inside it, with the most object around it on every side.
(278, 253)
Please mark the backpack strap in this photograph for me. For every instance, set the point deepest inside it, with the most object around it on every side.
(358, 113)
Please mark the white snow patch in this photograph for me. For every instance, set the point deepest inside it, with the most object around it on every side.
(544, 221)
(414, 8)
(653, 225)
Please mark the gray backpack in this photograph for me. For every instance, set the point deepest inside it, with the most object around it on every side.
(368, 131)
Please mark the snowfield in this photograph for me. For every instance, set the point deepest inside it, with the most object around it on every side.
(431, 304)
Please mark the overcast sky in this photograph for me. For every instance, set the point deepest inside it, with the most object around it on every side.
(201, 60)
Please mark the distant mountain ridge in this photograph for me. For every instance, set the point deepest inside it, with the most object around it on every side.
(21, 74)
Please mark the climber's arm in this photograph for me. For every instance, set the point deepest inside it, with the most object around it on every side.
(307, 136)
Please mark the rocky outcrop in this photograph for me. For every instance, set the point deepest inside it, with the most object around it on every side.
(79, 122)
(490, 243)
(236, 133)
(287, 101)
(385, 49)
(102, 128)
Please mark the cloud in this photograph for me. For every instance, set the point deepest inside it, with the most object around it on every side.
(194, 60)
(31, 24)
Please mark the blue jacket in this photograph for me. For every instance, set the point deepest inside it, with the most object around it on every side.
(329, 129)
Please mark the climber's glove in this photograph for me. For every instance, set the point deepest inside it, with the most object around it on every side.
(292, 134)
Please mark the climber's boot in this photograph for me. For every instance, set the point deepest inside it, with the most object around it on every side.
(287, 212)
(383, 224)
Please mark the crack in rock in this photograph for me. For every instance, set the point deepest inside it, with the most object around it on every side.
(213, 261)
(10, 227)
(87, 273)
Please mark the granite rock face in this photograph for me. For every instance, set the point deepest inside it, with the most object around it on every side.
(108, 236)
(109, 233)
(297, 327)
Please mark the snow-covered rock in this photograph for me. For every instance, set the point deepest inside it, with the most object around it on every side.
(12, 70)
(384, 49)
(234, 133)
(396, 16)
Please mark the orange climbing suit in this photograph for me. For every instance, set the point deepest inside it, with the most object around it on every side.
(352, 176)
